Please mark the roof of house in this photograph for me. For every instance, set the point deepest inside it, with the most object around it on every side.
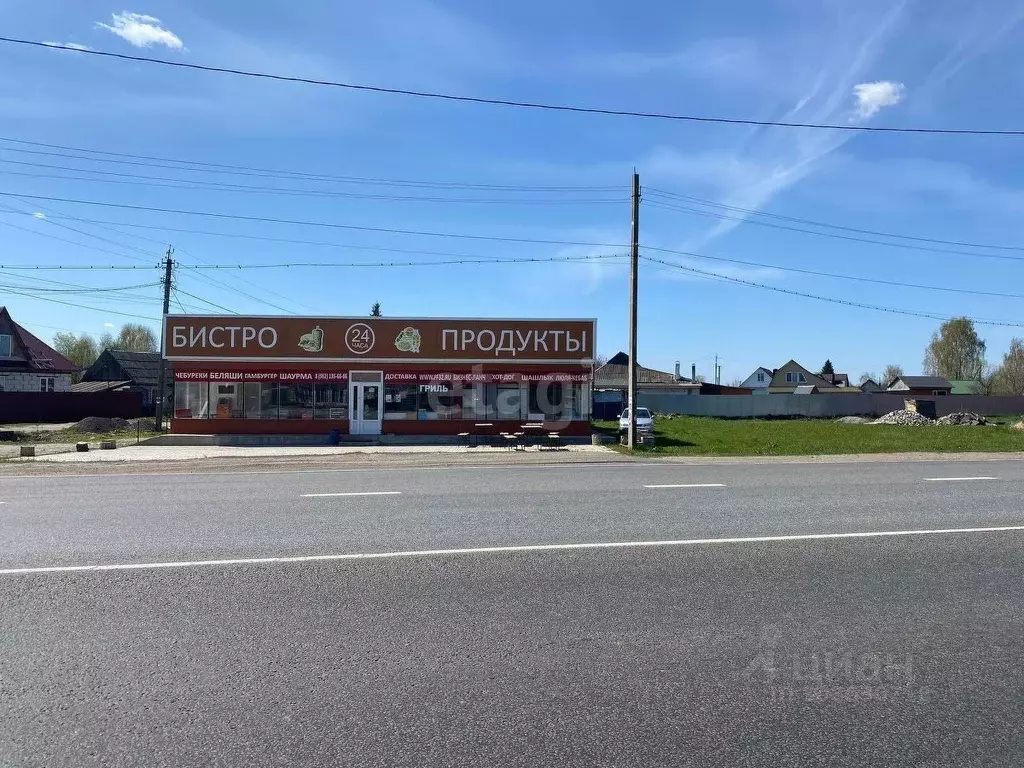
(810, 378)
(805, 389)
(615, 374)
(924, 382)
(839, 379)
(872, 382)
(99, 386)
(141, 368)
(965, 387)
(41, 356)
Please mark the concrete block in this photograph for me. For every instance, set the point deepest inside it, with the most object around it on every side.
(28, 450)
(82, 447)
(108, 445)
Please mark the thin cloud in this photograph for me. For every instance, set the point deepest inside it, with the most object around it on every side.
(39, 215)
(75, 46)
(141, 31)
(108, 325)
(873, 97)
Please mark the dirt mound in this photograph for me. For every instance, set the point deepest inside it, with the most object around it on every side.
(99, 424)
(853, 420)
(1019, 426)
(962, 419)
(905, 419)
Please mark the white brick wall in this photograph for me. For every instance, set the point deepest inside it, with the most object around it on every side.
(29, 382)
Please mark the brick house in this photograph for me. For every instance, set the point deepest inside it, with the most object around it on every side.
(28, 364)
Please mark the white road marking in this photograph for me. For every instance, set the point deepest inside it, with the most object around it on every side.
(689, 485)
(495, 550)
(352, 493)
(953, 479)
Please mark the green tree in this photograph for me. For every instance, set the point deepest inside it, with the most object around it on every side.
(955, 351)
(80, 350)
(135, 337)
(827, 368)
(1008, 379)
(375, 309)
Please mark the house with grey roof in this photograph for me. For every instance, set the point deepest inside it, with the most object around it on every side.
(920, 386)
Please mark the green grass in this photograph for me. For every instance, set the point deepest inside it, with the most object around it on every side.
(696, 436)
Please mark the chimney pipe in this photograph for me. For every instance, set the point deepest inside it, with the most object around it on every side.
(693, 371)
(677, 370)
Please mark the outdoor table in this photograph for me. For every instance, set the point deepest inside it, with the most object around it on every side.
(477, 427)
(532, 431)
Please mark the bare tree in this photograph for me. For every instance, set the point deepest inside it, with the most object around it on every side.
(890, 374)
(868, 375)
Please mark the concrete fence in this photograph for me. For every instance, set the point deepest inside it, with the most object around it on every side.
(818, 406)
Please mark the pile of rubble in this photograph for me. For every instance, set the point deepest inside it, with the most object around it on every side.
(99, 424)
(1018, 427)
(905, 418)
(961, 419)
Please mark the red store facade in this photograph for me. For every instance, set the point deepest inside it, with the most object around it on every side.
(371, 376)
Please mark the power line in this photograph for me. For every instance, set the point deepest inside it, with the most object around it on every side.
(205, 301)
(753, 212)
(835, 236)
(189, 184)
(331, 264)
(54, 237)
(512, 103)
(83, 306)
(816, 273)
(830, 299)
(85, 289)
(196, 166)
(329, 225)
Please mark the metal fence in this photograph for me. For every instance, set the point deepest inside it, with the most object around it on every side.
(817, 406)
(57, 407)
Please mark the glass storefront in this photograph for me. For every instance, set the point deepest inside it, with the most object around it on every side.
(406, 396)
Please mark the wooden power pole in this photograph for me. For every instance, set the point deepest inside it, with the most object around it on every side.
(158, 406)
(634, 261)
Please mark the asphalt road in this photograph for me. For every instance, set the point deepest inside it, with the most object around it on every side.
(881, 650)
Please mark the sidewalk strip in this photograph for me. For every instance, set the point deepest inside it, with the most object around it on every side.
(352, 493)
(502, 550)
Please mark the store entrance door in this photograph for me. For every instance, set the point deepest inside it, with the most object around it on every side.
(366, 401)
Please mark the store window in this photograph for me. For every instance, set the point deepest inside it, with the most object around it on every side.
(191, 400)
(226, 400)
(508, 399)
(296, 400)
(401, 401)
(260, 399)
(330, 401)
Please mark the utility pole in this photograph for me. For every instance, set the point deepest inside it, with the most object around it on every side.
(158, 406)
(634, 261)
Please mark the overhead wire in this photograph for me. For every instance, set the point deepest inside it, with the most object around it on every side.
(533, 105)
(754, 212)
(829, 299)
(124, 158)
(836, 236)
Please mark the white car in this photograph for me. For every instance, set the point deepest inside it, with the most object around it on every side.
(644, 421)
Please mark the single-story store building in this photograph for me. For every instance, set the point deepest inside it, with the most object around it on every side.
(373, 375)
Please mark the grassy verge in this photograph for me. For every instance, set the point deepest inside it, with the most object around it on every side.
(695, 436)
(42, 437)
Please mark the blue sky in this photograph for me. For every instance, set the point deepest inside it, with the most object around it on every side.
(944, 63)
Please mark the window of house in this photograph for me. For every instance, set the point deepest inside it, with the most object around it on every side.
(795, 378)
(46, 383)
(5, 345)
(760, 378)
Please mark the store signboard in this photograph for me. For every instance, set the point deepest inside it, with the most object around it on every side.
(425, 378)
(336, 339)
